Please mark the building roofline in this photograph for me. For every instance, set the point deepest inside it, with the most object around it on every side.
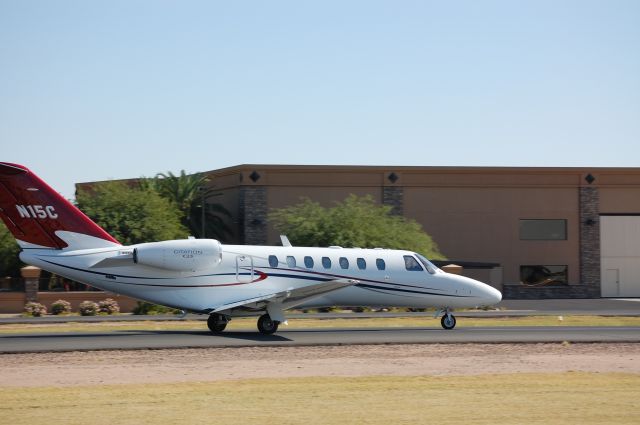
(422, 168)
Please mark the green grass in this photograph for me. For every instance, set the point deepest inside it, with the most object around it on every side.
(250, 323)
(562, 398)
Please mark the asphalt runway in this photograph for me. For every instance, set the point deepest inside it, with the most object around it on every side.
(139, 340)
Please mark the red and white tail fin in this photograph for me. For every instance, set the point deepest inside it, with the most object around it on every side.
(39, 217)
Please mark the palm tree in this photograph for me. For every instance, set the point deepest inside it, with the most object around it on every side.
(189, 193)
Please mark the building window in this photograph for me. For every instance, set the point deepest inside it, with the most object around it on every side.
(412, 264)
(273, 261)
(291, 261)
(308, 262)
(344, 263)
(543, 230)
(362, 264)
(380, 264)
(544, 275)
(326, 262)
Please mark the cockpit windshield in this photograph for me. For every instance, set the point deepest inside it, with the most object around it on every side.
(427, 264)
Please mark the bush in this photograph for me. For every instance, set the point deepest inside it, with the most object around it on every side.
(108, 306)
(35, 309)
(144, 307)
(60, 307)
(88, 308)
(327, 309)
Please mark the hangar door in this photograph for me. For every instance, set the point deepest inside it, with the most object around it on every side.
(620, 251)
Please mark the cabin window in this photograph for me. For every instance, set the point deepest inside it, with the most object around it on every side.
(412, 264)
(308, 262)
(273, 261)
(380, 264)
(362, 264)
(344, 263)
(326, 262)
(291, 261)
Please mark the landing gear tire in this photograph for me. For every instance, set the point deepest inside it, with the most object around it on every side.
(216, 323)
(267, 326)
(448, 321)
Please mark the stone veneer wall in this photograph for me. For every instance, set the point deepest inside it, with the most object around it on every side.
(590, 240)
(253, 215)
(394, 197)
(589, 285)
(516, 291)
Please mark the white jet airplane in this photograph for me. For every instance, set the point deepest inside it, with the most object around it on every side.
(224, 281)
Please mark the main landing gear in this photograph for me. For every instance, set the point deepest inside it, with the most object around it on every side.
(448, 320)
(218, 322)
(266, 325)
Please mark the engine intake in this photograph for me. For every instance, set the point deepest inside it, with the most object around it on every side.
(179, 255)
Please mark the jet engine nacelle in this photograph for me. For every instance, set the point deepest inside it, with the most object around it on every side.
(179, 255)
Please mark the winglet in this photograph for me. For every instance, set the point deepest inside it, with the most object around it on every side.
(285, 240)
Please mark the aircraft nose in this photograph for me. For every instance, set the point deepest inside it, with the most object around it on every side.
(492, 295)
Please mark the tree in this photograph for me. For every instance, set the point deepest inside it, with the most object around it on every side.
(131, 214)
(355, 222)
(187, 192)
(9, 262)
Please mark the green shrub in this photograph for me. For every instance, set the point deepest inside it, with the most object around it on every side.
(88, 308)
(108, 306)
(35, 309)
(60, 307)
(328, 309)
(144, 307)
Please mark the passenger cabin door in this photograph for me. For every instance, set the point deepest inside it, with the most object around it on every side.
(244, 268)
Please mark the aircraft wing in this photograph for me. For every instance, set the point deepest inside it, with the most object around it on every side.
(290, 297)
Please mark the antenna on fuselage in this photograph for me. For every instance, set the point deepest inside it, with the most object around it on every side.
(285, 240)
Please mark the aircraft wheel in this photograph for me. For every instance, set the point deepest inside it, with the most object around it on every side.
(266, 325)
(216, 323)
(448, 321)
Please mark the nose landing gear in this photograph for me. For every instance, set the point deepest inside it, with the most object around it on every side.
(448, 320)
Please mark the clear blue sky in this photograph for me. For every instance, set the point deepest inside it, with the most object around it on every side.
(115, 89)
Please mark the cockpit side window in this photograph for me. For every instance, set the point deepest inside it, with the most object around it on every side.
(427, 264)
(412, 264)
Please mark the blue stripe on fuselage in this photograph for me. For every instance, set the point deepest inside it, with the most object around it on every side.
(326, 278)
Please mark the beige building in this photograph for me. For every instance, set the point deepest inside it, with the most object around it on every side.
(531, 232)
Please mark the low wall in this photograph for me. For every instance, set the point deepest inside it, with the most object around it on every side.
(13, 302)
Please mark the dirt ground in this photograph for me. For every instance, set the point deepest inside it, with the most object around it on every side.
(217, 364)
